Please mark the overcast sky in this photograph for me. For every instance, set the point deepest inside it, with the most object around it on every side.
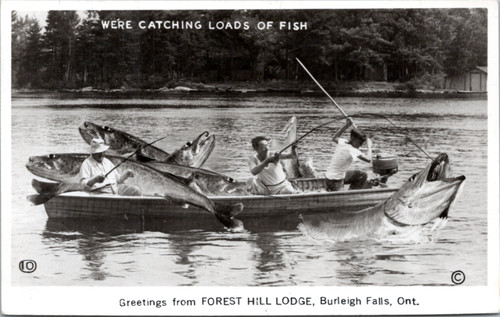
(42, 15)
(39, 15)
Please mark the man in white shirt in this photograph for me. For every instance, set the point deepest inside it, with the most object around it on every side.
(96, 166)
(270, 178)
(345, 154)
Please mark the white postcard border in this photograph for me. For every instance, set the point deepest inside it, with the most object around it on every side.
(106, 300)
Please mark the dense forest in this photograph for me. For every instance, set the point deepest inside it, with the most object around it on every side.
(415, 46)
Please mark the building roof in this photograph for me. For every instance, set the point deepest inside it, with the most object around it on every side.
(484, 69)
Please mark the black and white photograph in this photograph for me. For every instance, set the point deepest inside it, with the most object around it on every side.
(249, 158)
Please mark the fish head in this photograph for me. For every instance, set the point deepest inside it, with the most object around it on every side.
(237, 187)
(213, 183)
(426, 195)
(194, 153)
(119, 142)
(225, 185)
(56, 167)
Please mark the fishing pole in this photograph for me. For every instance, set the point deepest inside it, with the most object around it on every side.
(393, 124)
(321, 87)
(345, 115)
(306, 134)
(140, 148)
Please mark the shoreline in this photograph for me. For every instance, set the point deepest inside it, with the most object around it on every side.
(159, 95)
(247, 89)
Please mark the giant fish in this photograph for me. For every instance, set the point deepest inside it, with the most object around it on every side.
(120, 143)
(205, 181)
(194, 153)
(426, 196)
(287, 135)
(294, 167)
(64, 168)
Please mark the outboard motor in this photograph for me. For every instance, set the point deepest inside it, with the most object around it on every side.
(385, 165)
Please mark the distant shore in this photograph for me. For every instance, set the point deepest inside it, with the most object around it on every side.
(272, 88)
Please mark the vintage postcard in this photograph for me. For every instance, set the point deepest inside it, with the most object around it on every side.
(249, 157)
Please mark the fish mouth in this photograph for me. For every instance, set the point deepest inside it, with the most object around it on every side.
(35, 164)
(39, 168)
(438, 170)
(202, 147)
(88, 131)
(428, 195)
(199, 142)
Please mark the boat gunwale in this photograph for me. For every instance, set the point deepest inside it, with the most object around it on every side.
(81, 194)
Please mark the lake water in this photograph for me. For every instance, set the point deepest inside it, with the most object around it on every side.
(185, 253)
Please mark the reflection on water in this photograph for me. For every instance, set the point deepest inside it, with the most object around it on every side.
(197, 251)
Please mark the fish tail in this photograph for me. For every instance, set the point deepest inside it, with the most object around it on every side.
(47, 191)
(44, 187)
(39, 199)
(234, 225)
(229, 210)
(225, 214)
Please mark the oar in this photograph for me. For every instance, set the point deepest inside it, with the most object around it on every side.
(306, 134)
(140, 148)
(321, 87)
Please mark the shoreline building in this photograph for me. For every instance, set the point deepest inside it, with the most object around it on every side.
(474, 80)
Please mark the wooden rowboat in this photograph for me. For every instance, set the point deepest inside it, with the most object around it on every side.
(313, 200)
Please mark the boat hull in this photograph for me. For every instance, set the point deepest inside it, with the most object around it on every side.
(82, 204)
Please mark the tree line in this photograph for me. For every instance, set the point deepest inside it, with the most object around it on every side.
(405, 45)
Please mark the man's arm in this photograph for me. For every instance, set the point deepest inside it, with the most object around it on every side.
(95, 179)
(86, 178)
(291, 155)
(256, 168)
(337, 134)
(125, 176)
(368, 156)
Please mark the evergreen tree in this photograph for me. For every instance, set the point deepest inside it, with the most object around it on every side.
(32, 58)
(408, 44)
(60, 41)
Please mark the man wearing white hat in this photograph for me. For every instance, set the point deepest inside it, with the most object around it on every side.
(96, 166)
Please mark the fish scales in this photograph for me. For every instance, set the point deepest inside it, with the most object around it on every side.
(296, 166)
(194, 153)
(64, 168)
(121, 143)
(206, 181)
(287, 135)
(425, 197)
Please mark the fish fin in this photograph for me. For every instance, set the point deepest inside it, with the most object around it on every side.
(444, 214)
(171, 158)
(47, 191)
(142, 158)
(174, 200)
(186, 181)
(43, 187)
(196, 187)
(39, 199)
